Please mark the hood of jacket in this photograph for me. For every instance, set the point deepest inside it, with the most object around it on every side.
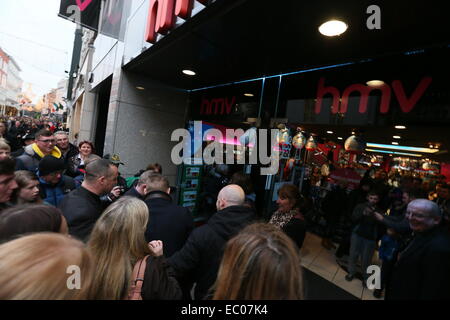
(231, 220)
(31, 151)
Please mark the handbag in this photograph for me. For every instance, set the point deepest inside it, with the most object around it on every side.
(137, 279)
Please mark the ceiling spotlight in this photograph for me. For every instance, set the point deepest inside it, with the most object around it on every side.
(340, 138)
(140, 88)
(396, 143)
(333, 28)
(375, 83)
(249, 94)
(189, 72)
(400, 127)
(330, 132)
(396, 137)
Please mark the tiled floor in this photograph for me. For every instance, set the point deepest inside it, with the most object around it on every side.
(323, 262)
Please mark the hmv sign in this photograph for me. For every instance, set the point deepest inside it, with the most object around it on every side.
(406, 100)
(162, 15)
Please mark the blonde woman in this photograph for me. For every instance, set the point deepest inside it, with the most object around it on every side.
(260, 263)
(41, 267)
(117, 243)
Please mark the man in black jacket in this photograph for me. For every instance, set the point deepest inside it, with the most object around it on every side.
(140, 189)
(364, 235)
(68, 150)
(168, 222)
(201, 255)
(82, 207)
(422, 269)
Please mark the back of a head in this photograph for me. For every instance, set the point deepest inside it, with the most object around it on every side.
(233, 194)
(7, 166)
(39, 267)
(20, 220)
(144, 178)
(157, 182)
(155, 167)
(97, 168)
(117, 241)
(260, 263)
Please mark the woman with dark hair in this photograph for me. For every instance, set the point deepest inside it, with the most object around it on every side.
(76, 164)
(27, 191)
(259, 263)
(156, 167)
(289, 215)
(23, 219)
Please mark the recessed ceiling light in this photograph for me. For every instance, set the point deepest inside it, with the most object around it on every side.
(333, 28)
(189, 72)
(396, 143)
(375, 83)
(330, 132)
(340, 138)
(400, 127)
(140, 88)
(396, 137)
(249, 94)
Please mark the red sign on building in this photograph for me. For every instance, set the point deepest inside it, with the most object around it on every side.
(405, 102)
(162, 15)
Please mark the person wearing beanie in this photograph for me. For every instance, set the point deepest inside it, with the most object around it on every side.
(53, 184)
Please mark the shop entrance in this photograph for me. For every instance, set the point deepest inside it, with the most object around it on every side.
(102, 115)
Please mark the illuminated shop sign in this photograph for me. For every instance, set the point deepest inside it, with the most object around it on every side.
(162, 15)
(405, 102)
(217, 106)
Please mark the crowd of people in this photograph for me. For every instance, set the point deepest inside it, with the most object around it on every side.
(61, 205)
(391, 217)
(128, 237)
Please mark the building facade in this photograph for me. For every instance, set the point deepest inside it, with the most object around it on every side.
(259, 63)
(10, 84)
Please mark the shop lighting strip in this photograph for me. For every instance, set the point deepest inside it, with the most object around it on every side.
(403, 148)
(395, 152)
(281, 75)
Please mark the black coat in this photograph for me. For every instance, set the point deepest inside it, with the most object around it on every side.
(422, 269)
(168, 222)
(296, 230)
(72, 152)
(201, 255)
(132, 192)
(81, 208)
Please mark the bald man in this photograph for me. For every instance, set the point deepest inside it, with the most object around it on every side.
(200, 257)
(422, 270)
